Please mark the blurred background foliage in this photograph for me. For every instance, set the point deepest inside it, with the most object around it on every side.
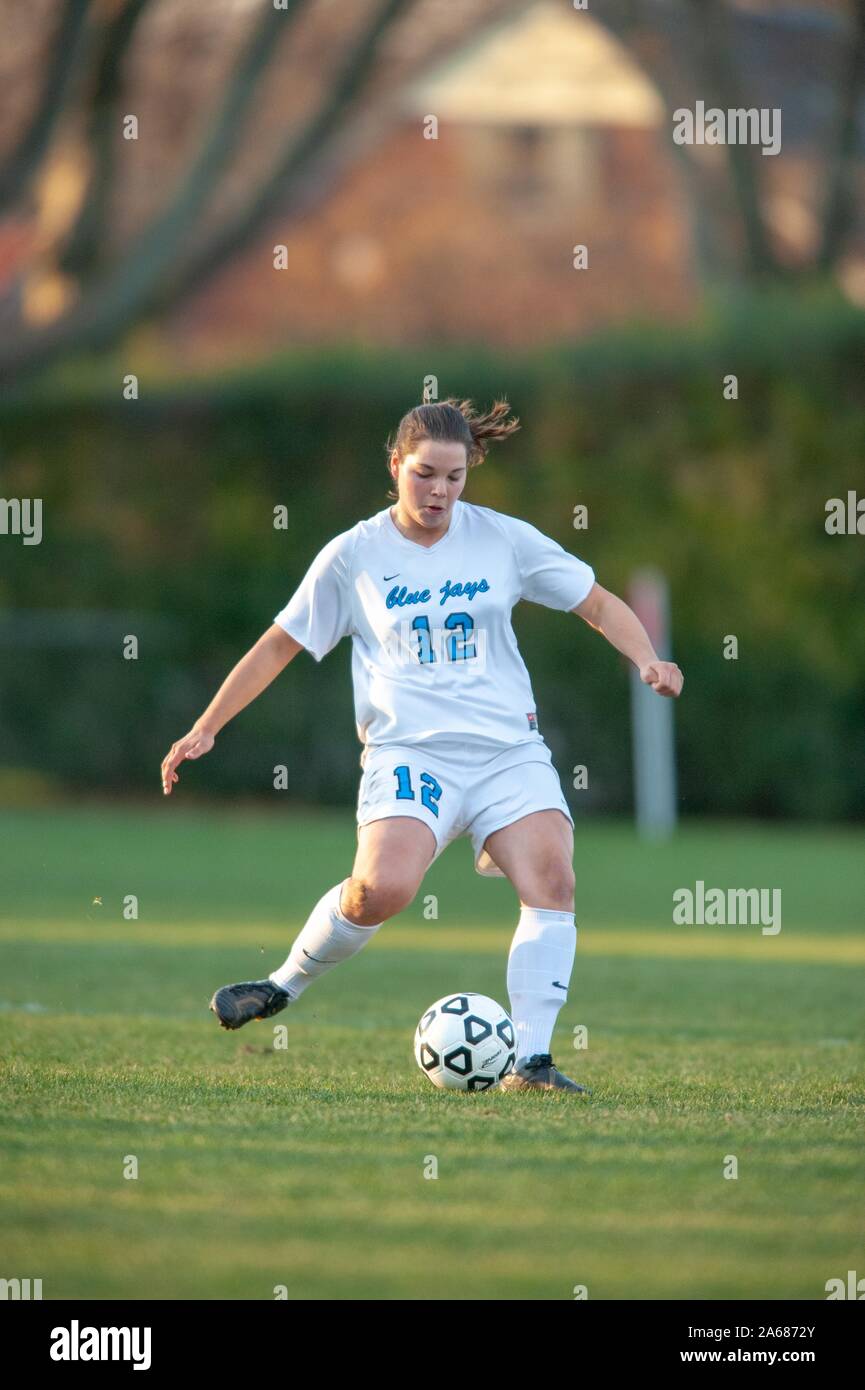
(158, 520)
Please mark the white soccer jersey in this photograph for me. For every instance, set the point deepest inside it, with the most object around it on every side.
(434, 653)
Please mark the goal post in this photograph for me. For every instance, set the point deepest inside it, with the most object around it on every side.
(652, 735)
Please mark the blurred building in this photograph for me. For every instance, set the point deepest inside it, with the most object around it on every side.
(547, 138)
(548, 134)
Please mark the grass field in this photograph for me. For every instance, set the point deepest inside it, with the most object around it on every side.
(305, 1168)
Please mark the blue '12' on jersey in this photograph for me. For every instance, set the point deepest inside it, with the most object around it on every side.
(459, 648)
(430, 789)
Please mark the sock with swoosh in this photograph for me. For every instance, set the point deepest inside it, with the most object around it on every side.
(539, 972)
(327, 939)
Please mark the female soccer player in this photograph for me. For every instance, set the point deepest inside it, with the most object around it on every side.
(446, 716)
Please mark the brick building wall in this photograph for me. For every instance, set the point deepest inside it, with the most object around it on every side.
(465, 238)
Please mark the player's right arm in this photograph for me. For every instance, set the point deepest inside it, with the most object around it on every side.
(252, 674)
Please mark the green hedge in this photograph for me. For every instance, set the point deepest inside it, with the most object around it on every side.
(158, 522)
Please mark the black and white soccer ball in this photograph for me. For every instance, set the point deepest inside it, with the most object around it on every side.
(465, 1042)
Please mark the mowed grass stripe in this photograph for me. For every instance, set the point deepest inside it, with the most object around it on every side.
(746, 943)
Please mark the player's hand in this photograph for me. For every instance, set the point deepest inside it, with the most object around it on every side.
(192, 745)
(664, 677)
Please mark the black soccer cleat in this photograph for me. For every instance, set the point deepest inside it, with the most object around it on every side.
(235, 1005)
(538, 1073)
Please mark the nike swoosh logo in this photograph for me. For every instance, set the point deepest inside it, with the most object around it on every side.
(388, 577)
(318, 958)
(556, 985)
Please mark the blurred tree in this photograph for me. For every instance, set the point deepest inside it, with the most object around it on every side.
(90, 293)
(253, 108)
(840, 203)
(691, 49)
(121, 292)
(67, 59)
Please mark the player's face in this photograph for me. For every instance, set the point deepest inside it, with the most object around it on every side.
(430, 480)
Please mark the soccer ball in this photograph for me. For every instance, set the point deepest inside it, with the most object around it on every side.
(465, 1042)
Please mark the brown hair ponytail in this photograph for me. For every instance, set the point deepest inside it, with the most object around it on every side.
(453, 421)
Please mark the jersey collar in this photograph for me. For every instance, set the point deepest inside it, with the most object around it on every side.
(456, 520)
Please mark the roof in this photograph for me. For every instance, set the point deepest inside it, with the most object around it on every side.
(544, 66)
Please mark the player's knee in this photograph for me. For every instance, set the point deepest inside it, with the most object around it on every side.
(563, 884)
(370, 900)
(555, 884)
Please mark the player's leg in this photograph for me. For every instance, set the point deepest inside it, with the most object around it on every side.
(536, 854)
(392, 857)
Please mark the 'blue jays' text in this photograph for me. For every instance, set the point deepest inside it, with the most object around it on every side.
(399, 596)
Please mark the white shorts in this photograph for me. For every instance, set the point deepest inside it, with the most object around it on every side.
(459, 788)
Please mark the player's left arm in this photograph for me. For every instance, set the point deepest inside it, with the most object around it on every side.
(622, 628)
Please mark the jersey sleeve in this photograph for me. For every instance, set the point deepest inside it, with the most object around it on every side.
(549, 574)
(319, 612)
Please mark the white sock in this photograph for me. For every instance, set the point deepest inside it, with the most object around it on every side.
(326, 939)
(542, 952)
